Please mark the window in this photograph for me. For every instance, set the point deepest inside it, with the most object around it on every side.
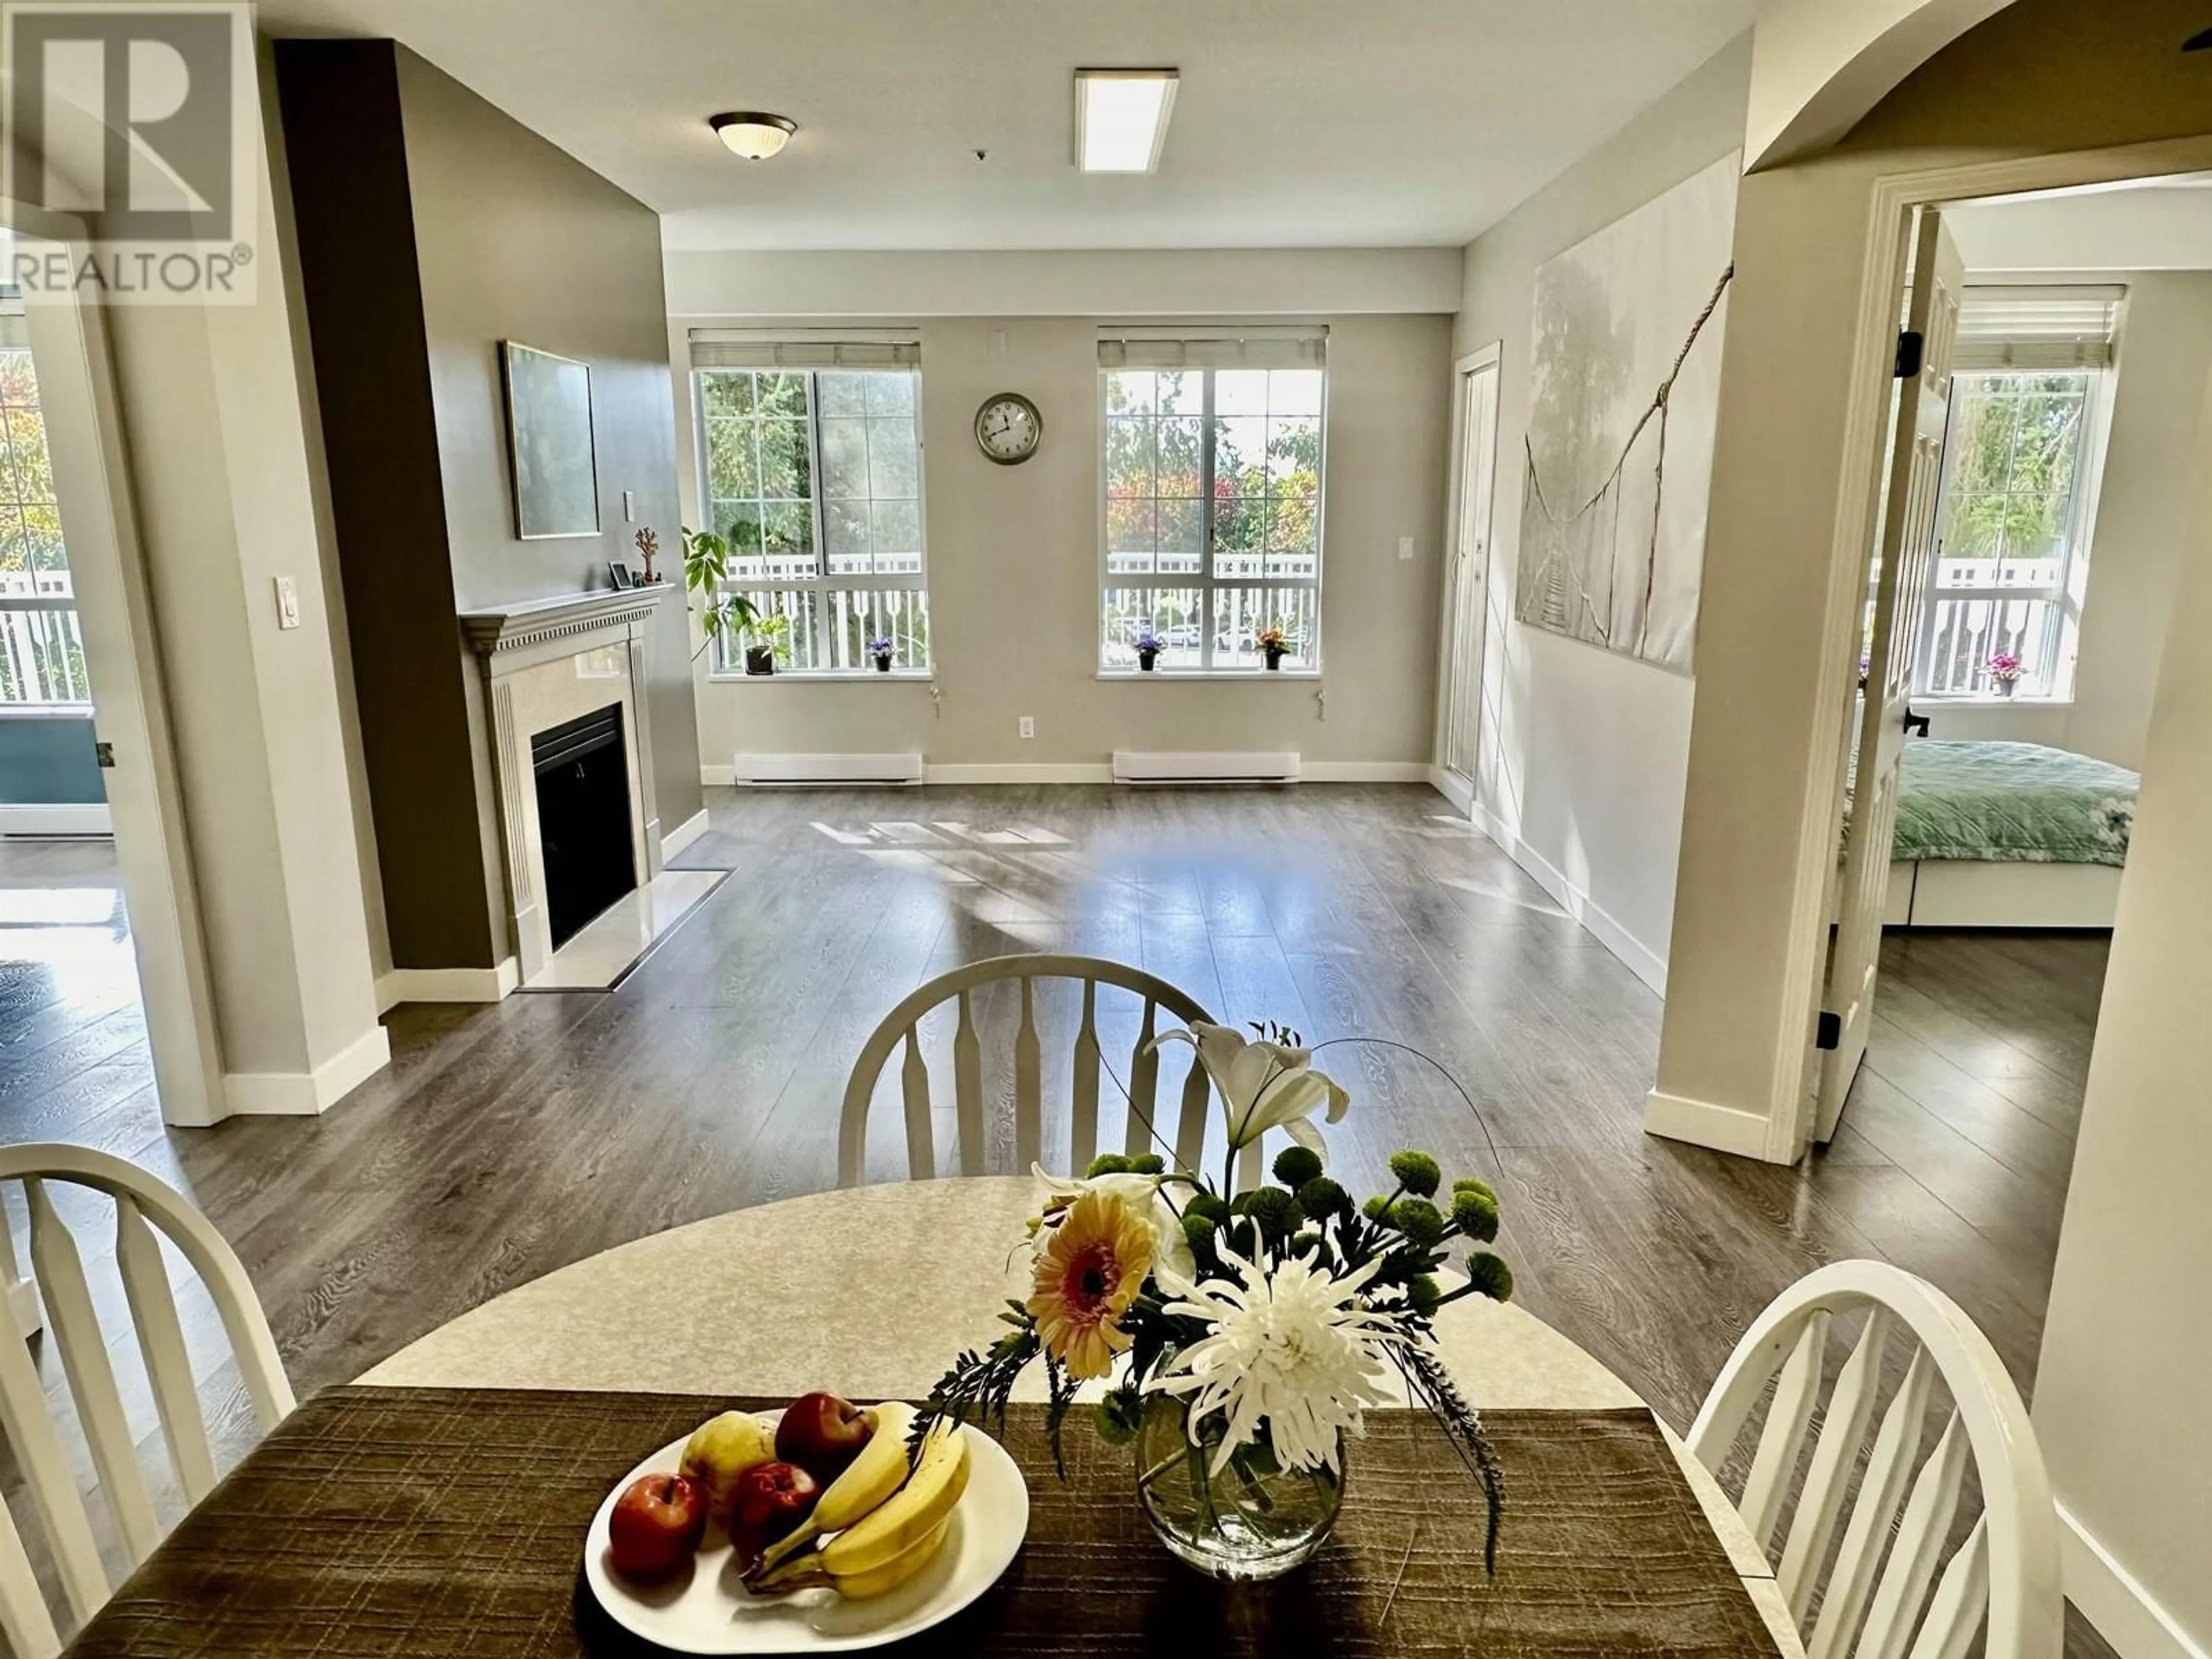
(2031, 383)
(41, 649)
(809, 466)
(1213, 509)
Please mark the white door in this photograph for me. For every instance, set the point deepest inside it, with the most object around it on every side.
(1908, 552)
(1466, 570)
(123, 660)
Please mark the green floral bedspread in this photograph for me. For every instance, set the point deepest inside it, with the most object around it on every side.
(2012, 803)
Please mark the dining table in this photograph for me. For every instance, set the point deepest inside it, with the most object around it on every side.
(868, 1292)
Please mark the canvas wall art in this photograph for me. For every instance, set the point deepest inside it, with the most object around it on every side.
(548, 439)
(1623, 400)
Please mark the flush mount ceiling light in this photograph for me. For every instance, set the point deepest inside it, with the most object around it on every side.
(1121, 117)
(753, 133)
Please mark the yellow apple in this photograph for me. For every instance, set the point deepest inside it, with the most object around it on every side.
(719, 1452)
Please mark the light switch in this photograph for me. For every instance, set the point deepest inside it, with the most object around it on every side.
(1404, 547)
(287, 603)
(629, 507)
(998, 342)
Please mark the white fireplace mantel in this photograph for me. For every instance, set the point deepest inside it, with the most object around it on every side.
(545, 661)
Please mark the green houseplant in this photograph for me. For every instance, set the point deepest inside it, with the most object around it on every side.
(731, 618)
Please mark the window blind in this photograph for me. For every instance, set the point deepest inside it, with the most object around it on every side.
(857, 348)
(1212, 347)
(2054, 329)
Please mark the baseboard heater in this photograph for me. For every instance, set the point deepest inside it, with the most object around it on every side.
(768, 770)
(1194, 766)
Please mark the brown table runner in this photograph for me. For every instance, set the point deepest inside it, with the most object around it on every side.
(447, 1524)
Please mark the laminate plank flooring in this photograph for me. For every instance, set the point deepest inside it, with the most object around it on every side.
(504, 1142)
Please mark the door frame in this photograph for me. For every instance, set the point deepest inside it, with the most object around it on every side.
(123, 657)
(1892, 201)
(1486, 359)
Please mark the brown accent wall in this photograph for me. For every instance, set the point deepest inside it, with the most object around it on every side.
(432, 227)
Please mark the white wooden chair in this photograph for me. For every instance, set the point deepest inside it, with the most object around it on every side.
(903, 1024)
(32, 1436)
(2006, 1569)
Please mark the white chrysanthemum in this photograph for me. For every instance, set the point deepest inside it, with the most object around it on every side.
(1292, 1346)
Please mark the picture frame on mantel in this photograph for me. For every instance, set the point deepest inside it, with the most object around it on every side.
(551, 453)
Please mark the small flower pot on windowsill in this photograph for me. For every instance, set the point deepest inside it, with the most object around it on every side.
(1147, 661)
(882, 664)
(1275, 654)
(2006, 688)
(760, 659)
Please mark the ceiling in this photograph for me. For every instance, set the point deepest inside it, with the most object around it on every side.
(1297, 124)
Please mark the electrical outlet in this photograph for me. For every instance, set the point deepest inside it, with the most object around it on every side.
(288, 602)
(1029, 726)
(1404, 547)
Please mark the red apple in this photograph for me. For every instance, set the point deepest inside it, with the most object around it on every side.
(772, 1498)
(822, 1434)
(656, 1525)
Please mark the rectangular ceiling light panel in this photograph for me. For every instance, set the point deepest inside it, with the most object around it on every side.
(1122, 119)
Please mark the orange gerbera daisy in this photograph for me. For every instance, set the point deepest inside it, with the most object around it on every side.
(1089, 1272)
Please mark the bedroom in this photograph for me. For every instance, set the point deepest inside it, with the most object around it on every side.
(2079, 372)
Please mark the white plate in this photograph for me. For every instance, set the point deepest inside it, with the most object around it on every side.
(707, 1611)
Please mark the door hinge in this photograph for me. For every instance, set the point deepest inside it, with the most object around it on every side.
(103, 754)
(1911, 347)
(1829, 1034)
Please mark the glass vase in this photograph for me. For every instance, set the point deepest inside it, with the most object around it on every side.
(1254, 1520)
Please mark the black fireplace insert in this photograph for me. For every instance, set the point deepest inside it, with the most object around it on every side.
(583, 818)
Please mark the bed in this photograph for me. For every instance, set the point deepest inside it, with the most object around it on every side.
(2007, 834)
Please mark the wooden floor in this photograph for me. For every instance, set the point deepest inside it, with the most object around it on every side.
(505, 1141)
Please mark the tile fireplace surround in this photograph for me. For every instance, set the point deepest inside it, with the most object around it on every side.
(546, 661)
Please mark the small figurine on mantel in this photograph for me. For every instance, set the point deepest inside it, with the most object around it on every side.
(649, 545)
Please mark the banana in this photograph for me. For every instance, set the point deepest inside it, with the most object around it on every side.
(909, 1524)
(928, 1497)
(868, 1482)
(882, 1580)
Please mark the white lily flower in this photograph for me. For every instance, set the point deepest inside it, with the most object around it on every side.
(1291, 1345)
(1146, 1196)
(1265, 1086)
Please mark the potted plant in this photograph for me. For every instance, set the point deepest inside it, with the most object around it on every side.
(2004, 673)
(765, 636)
(881, 649)
(1275, 643)
(1149, 647)
(723, 617)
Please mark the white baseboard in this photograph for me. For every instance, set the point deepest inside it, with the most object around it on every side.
(449, 984)
(91, 819)
(1023, 772)
(1316, 771)
(2124, 1613)
(683, 835)
(1640, 959)
(1456, 790)
(717, 777)
(1723, 1129)
(309, 1094)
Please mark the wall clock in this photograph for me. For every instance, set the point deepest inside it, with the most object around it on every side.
(1008, 427)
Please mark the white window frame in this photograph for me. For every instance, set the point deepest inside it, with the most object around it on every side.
(2032, 328)
(1211, 355)
(813, 353)
(2064, 597)
(54, 594)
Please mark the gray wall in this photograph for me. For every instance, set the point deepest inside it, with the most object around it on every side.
(431, 227)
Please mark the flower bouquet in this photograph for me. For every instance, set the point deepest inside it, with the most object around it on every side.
(1243, 1336)
(2004, 671)
(882, 649)
(1149, 645)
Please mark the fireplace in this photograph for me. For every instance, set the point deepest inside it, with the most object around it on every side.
(571, 754)
(583, 818)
